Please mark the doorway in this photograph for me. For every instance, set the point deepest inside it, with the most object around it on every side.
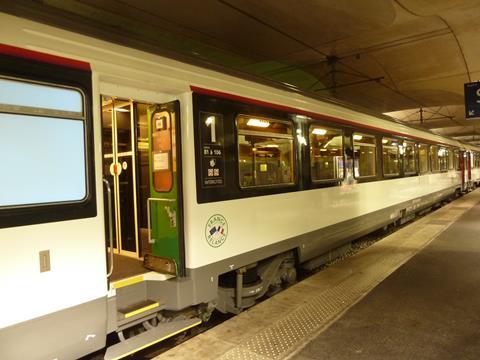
(125, 148)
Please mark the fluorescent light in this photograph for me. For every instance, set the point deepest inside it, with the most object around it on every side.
(258, 123)
(357, 137)
(209, 120)
(319, 131)
(122, 110)
(384, 141)
(272, 146)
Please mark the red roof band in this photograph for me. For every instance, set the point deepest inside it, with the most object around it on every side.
(311, 114)
(42, 57)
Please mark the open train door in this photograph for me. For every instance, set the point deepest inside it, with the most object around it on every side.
(463, 169)
(165, 204)
(469, 169)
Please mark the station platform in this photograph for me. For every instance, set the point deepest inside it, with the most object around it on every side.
(414, 294)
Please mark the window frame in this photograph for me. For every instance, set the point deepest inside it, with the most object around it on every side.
(428, 159)
(399, 157)
(238, 132)
(342, 134)
(53, 114)
(30, 70)
(451, 158)
(445, 156)
(430, 153)
(364, 177)
(415, 158)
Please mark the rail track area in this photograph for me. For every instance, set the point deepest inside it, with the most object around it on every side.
(413, 294)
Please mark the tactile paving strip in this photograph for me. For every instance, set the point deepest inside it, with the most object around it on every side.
(280, 339)
(274, 341)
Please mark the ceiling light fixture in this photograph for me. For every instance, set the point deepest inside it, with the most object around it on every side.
(258, 123)
(319, 131)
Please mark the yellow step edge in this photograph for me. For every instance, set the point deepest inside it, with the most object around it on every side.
(126, 282)
(142, 309)
(158, 340)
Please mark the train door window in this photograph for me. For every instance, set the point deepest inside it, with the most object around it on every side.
(326, 153)
(365, 155)
(161, 151)
(423, 158)
(443, 159)
(391, 157)
(50, 166)
(409, 158)
(451, 159)
(265, 151)
(434, 158)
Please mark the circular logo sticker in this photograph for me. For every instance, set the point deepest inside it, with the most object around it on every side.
(216, 230)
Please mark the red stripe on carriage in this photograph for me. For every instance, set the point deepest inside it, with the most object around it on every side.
(42, 57)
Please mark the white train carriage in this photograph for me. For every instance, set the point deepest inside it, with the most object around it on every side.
(136, 188)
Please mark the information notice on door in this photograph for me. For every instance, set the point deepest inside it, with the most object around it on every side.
(161, 161)
(213, 165)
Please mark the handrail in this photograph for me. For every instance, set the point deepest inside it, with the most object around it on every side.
(110, 225)
(149, 201)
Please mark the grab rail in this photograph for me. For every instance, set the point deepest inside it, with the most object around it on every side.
(110, 225)
(149, 201)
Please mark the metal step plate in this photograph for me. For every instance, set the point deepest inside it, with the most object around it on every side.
(161, 332)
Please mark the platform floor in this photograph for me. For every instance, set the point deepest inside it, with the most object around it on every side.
(414, 294)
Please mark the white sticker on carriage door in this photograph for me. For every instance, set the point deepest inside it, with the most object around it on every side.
(161, 161)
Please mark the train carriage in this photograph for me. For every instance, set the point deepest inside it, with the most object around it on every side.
(141, 193)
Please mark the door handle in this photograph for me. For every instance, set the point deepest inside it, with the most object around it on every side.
(110, 225)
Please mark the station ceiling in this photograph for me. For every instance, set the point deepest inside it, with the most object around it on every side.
(406, 58)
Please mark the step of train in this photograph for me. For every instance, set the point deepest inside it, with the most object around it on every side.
(138, 312)
(151, 336)
(133, 301)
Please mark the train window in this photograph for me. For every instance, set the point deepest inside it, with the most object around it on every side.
(265, 151)
(364, 156)
(326, 153)
(409, 158)
(443, 159)
(50, 165)
(434, 158)
(391, 157)
(451, 159)
(40, 99)
(423, 158)
(457, 160)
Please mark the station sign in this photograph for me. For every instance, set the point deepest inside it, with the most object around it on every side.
(472, 100)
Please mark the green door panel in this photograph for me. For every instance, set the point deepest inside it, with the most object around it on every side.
(165, 183)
